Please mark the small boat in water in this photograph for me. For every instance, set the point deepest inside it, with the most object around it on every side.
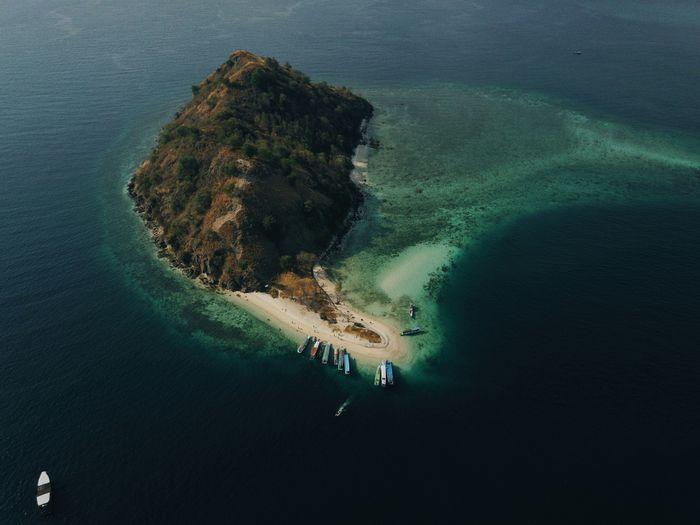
(412, 311)
(342, 407)
(43, 492)
(378, 375)
(389, 373)
(412, 331)
(382, 368)
(347, 364)
(304, 345)
(326, 353)
(314, 349)
(335, 357)
(341, 360)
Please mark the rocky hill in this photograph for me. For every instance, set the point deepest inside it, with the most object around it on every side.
(250, 180)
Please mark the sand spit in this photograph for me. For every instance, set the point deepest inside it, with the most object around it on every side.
(297, 321)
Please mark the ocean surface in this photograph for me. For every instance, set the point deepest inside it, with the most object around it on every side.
(542, 208)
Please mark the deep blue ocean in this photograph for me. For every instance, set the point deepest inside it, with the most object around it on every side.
(568, 392)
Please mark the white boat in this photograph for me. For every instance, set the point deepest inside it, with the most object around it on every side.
(43, 491)
(382, 368)
(303, 345)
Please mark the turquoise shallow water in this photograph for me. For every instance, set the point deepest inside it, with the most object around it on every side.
(559, 191)
(457, 162)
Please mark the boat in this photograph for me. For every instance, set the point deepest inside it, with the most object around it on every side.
(303, 345)
(326, 353)
(347, 364)
(578, 52)
(389, 373)
(43, 492)
(412, 331)
(382, 368)
(378, 375)
(342, 407)
(314, 349)
(341, 353)
(335, 357)
(412, 311)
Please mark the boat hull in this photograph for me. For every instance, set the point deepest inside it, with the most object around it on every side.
(314, 349)
(43, 493)
(389, 373)
(341, 358)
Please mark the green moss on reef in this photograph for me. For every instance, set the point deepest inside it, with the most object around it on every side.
(251, 178)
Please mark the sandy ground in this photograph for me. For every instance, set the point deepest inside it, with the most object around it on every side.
(297, 321)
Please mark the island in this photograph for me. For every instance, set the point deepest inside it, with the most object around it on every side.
(250, 185)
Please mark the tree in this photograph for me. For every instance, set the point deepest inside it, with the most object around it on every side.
(188, 166)
(260, 79)
(269, 223)
(202, 201)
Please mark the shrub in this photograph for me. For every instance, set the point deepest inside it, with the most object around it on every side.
(286, 263)
(187, 131)
(249, 149)
(232, 190)
(269, 223)
(188, 166)
(260, 79)
(202, 201)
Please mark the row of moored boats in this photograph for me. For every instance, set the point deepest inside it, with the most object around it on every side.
(317, 348)
(340, 358)
(384, 375)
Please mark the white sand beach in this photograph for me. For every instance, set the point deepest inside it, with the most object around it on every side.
(297, 322)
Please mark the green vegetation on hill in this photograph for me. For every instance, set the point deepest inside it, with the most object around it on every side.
(251, 178)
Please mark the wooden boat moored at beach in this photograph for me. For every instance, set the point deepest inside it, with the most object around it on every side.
(335, 357)
(43, 492)
(412, 331)
(304, 345)
(382, 369)
(314, 349)
(389, 373)
(378, 375)
(347, 364)
(326, 353)
(341, 360)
